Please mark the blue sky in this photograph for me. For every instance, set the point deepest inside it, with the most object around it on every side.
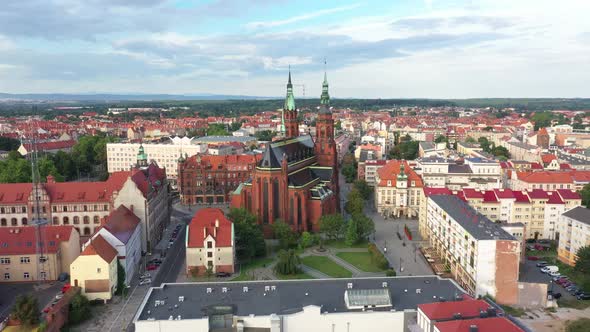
(374, 49)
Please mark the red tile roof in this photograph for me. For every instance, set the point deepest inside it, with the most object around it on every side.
(471, 193)
(538, 194)
(568, 194)
(22, 240)
(203, 225)
(545, 177)
(99, 246)
(446, 310)
(504, 193)
(15, 193)
(121, 222)
(554, 198)
(491, 324)
(391, 170)
(428, 191)
(521, 197)
(490, 197)
(51, 146)
(547, 158)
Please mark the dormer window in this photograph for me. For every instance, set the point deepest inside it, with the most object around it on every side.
(389, 183)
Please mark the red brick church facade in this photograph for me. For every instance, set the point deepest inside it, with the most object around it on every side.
(297, 179)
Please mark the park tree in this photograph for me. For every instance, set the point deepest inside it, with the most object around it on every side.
(249, 238)
(285, 234)
(470, 139)
(265, 135)
(363, 188)
(26, 310)
(441, 139)
(8, 144)
(121, 287)
(217, 129)
(352, 235)
(288, 262)
(332, 226)
(365, 225)
(585, 194)
(355, 203)
(583, 261)
(349, 173)
(306, 240)
(79, 309)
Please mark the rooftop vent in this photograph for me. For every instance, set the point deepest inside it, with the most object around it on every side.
(418, 291)
(266, 288)
(473, 328)
(457, 316)
(384, 284)
(181, 298)
(209, 290)
(245, 289)
(349, 285)
(224, 289)
(273, 288)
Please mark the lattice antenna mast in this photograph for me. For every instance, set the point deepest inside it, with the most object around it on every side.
(39, 220)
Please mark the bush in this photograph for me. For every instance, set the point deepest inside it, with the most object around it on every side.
(390, 273)
(79, 309)
(26, 310)
(378, 258)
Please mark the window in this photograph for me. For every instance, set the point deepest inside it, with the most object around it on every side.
(209, 244)
(43, 275)
(65, 208)
(54, 208)
(25, 260)
(209, 254)
(98, 270)
(105, 208)
(55, 220)
(85, 208)
(76, 220)
(13, 222)
(24, 209)
(26, 275)
(5, 260)
(42, 259)
(6, 276)
(96, 220)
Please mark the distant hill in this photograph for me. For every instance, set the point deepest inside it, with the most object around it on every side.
(103, 97)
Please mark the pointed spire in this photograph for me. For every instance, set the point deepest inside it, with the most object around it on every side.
(290, 99)
(325, 97)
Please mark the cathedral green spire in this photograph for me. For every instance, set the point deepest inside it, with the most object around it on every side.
(290, 99)
(325, 98)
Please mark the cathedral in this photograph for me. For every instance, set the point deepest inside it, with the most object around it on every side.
(297, 178)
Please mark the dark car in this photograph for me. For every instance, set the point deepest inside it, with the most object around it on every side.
(583, 296)
(64, 276)
(532, 258)
(556, 295)
(541, 264)
(222, 274)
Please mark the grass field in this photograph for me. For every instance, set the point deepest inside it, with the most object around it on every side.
(361, 260)
(301, 275)
(326, 266)
(339, 244)
(245, 268)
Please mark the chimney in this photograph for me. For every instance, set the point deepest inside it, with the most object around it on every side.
(204, 232)
(473, 328)
(50, 179)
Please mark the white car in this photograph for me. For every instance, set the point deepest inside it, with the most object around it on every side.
(145, 275)
(554, 274)
(145, 282)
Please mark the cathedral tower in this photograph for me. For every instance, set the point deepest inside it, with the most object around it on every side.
(290, 112)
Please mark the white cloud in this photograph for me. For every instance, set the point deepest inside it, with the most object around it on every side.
(298, 18)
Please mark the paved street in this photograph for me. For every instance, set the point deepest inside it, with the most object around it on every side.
(43, 292)
(407, 257)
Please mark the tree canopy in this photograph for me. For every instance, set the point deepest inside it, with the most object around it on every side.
(217, 129)
(332, 226)
(288, 262)
(249, 238)
(363, 188)
(583, 261)
(26, 310)
(265, 135)
(407, 149)
(355, 202)
(585, 194)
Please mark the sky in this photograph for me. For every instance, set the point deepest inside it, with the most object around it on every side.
(373, 49)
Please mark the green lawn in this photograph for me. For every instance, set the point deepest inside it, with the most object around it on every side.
(339, 244)
(361, 260)
(578, 325)
(326, 266)
(245, 268)
(301, 275)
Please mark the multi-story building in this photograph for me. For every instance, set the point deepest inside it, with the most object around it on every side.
(297, 179)
(538, 210)
(207, 179)
(371, 167)
(95, 270)
(492, 324)
(573, 228)
(146, 193)
(22, 260)
(210, 243)
(455, 309)
(472, 172)
(342, 143)
(122, 156)
(122, 230)
(397, 190)
(480, 254)
(360, 304)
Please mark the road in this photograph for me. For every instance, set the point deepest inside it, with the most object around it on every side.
(44, 293)
(399, 256)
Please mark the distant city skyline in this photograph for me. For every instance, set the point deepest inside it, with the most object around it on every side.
(374, 49)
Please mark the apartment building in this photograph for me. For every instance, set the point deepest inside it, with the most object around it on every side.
(456, 174)
(573, 228)
(122, 156)
(210, 243)
(361, 304)
(95, 270)
(398, 189)
(549, 180)
(371, 167)
(22, 261)
(480, 254)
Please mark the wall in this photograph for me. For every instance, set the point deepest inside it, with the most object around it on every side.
(130, 252)
(485, 268)
(172, 325)
(70, 251)
(532, 295)
(87, 268)
(133, 198)
(506, 273)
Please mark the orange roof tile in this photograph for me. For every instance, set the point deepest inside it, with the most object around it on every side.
(203, 225)
(99, 246)
(391, 170)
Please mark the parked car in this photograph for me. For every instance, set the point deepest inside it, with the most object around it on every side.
(572, 288)
(530, 241)
(583, 296)
(549, 268)
(145, 282)
(222, 274)
(542, 264)
(560, 279)
(65, 288)
(151, 267)
(566, 284)
(556, 295)
(145, 275)
(532, 258)
(155, 261)
(64, 276)
(59, 296)
(554, 274)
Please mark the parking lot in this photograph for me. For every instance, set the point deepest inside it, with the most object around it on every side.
(529, 272)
